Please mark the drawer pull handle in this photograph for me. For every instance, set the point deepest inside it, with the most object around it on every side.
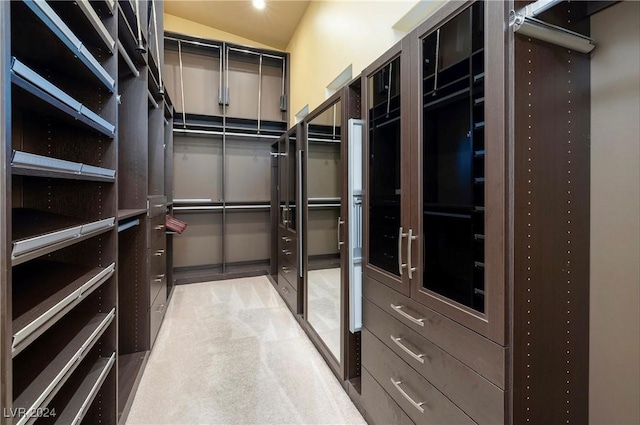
(285, 290)
(159, 278)
(159, 253)
(405, 395)
(398, 308)
(418, 357)
(286, 239)
(159, 227)
(286, 252)
(285, 269)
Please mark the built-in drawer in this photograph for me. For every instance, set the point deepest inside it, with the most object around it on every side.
(288, 293)
(156, 313)
(157, 206)
(380, 407)
(158, 269)
(479, 353)
(483, 401)
(420, 400)
(157, 231)
(290, 273)
(288, 248)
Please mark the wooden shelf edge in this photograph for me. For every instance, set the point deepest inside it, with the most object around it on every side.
(128, 213)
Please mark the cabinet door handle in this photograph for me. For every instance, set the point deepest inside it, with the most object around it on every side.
(398, 308)
(340, 223)
(400, 264)
(396, 340)
(159, 227)
(405, 395)
(159, 253)
(389, 88)
(435, 72)
(410, 239)
(159, 278)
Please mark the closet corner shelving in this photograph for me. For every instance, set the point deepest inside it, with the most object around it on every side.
(143, 148)
(230, 105)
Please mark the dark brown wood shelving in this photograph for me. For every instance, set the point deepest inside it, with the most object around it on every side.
(44, 291)
(62, 364)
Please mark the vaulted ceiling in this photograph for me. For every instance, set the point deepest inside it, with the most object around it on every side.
(274, 25)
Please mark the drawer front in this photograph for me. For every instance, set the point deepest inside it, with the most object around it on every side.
(477, 397)
(415, 395)
(482, 355)
(156, 230)
(288, 248)
(156, 314)
(157, 206)
(158, 269)
(290, 273)
(380, 407)
(288, 294)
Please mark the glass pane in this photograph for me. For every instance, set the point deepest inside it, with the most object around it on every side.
(282, 181)
(293, 179)
(453, 161)
(324, 189)
(384, 167)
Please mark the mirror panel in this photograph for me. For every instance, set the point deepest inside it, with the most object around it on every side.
(324, 192)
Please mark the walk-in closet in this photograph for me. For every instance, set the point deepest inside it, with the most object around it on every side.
(363, 212)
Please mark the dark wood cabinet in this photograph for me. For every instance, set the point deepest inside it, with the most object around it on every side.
(475, 226)
(387, 178)
(287, 191)
(329, 216)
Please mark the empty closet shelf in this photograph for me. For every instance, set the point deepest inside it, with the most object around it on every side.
(56, 373)
(42, 89)
(57, 26)
(80, 402)
(28, 164)
(44, 291)
(38, 232)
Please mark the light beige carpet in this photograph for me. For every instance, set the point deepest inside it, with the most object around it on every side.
(230, 352)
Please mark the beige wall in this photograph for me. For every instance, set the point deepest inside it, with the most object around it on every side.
(183, 26)
(615, 217)
(334, 34)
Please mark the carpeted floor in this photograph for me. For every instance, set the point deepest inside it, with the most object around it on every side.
(231, 352)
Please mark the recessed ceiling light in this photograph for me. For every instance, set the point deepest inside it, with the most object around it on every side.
(259, 4)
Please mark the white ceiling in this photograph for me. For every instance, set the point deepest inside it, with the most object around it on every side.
(273, 26)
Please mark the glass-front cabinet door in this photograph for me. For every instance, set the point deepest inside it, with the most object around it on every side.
(292, 183)
(450, 168)
(282, 181)
(387, 176)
